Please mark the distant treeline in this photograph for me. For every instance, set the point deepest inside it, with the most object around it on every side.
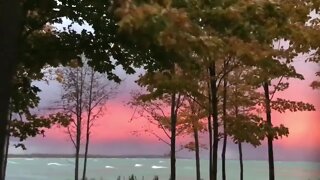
(82, 155)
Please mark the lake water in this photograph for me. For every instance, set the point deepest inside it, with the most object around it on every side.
(111, 168)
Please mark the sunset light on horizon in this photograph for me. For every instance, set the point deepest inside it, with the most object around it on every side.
(114, 132)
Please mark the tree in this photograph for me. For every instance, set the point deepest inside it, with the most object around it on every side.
(24, 121)
(243, 122)
(28, 39)
(161, 90)
(173, 40)
(224, 115)
(85, 93)
(191, 116)
(156, 105)
(206, 28)
(99, 93)
(157, 113)
(9, 34)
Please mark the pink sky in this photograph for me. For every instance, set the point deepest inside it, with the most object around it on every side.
(113, 132)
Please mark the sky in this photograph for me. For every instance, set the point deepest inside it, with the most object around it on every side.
(113, 133)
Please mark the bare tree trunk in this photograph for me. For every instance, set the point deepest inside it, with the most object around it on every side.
(224, 109)
(214, 102)
(240, 160)
(270, 138)
(197, 154)
(83, 93)
(10, 30)
(173, 137)
(88, 127)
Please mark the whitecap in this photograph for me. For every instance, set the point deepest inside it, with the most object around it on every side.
(29, 159)
(12, 162)
(54, 164)
(137, 165)
(158, 167)
(109, 167)
(161, 161)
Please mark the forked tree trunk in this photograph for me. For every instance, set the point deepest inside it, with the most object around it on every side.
(10, 30)
(214, 102)
(270, 138)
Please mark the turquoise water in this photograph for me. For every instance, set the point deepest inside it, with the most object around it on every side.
(111, 168)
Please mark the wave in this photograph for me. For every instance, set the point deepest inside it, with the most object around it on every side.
(55, 164)
(109, 167)
(137, 165)
(12, 162)
(161, 161)
(70, 161)
(29, 159)
(158, 167)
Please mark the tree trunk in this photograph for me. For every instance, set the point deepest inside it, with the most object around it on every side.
(86, 155)
(78, 141)
(76, 166)
(240, 160)
(270, 138)
(10, 30)
(224, 114)
(210, 133)
(7, 145)
(214, 102)
(239, 145)
(197, 154)
(173, 137)
(210, 147)
(88, 127)
(78, 144)
(79, 122)
(6, 157)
